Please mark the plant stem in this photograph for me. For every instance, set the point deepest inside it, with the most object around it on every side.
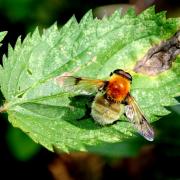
(4, 108)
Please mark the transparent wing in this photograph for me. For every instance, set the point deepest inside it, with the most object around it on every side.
(135, 116)
(80, 85)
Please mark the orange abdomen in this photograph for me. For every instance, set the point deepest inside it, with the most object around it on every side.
(118, 88)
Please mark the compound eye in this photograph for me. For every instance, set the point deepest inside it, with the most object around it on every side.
(128, 76)
(111, 73)
(122, 73)
(118, 71)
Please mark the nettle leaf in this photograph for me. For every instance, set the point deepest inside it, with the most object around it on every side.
(2, 35)
(92, 48)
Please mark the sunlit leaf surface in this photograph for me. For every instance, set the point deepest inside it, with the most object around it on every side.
(92, 48)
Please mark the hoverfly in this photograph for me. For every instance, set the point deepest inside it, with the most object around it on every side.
(112, 99)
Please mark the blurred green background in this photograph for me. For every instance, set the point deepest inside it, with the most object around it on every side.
(134, 159)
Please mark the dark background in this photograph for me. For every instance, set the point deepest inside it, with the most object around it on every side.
(22, 159)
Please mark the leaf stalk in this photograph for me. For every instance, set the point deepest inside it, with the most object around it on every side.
(4, 108)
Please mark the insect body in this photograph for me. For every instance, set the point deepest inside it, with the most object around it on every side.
(112, 99)
(106, 107)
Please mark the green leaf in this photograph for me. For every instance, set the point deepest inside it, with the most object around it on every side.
(2, 35)
(92, 48)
